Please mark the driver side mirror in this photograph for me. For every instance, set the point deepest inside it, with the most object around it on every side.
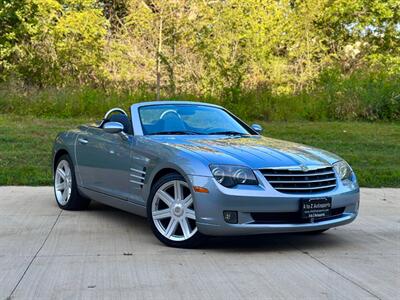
(113, 127)
(257, 128)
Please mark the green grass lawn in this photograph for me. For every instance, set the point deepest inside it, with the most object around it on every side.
(25, 148)
(373, 149)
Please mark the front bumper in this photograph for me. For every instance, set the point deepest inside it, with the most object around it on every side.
(250, 200)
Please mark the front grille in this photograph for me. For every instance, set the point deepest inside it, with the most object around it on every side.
(297, 181)
(291, 217)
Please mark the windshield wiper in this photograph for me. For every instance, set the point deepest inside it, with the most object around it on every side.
(188, 132)
(227, 133)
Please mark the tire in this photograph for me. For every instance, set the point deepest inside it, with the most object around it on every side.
(65, 187)
(315, 232)
(171, 214)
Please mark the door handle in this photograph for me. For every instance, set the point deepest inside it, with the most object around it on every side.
(83, 141)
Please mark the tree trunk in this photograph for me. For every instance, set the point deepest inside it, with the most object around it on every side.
(158, 62)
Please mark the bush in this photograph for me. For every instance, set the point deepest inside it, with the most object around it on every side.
(359, 96)
(67, 102)
(362, 95)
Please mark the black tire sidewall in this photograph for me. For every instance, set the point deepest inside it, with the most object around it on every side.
(316, 232)
(193, 241)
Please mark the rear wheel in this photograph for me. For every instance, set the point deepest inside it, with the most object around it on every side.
(171, 213)
(65, 187)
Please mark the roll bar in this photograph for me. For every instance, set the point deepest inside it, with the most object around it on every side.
(112, 110)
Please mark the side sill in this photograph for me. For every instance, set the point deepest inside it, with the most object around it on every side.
(114, 202)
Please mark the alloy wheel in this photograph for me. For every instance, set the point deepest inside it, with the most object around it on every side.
(63, 182)
(173, 211)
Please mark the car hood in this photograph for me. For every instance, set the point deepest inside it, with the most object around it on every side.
(253, 151)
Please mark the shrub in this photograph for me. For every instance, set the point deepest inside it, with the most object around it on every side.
(361, 95)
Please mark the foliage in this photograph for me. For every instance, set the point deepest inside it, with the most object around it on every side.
(50, 42)
(338, 59)
(358, 96)
(17, 20)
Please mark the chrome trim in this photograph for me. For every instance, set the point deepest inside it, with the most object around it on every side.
(138, 171)
(113, 110)
(303, 181)
(299, 168)
(136, 176)
(83, 141)
(109, 112)
(290, 175)
(133, 181)
(307, 188)
(113, 127)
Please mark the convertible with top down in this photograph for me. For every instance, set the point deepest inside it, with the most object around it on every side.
(196, 170)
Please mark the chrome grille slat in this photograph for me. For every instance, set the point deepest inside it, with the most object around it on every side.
(299, 181)
(274, 174)
(307, 188)
(303, 181)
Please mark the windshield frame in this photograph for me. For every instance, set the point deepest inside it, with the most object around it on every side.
(136, 119)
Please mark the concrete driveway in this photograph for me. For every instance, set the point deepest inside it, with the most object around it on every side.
(103, 253)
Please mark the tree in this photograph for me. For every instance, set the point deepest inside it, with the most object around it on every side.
(233, 37)
(155, 38)
(201, 47)
(79, 39)
(52, 42)
(17, 23)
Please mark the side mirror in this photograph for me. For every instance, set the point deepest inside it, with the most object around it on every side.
(113, 127)
(257, 128)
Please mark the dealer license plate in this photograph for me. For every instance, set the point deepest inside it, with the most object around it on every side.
(315, 208)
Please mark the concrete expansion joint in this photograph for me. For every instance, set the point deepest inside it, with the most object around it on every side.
(34, 257)
(335, 271)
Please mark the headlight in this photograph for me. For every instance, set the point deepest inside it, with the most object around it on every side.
(229, 176)
(343, 169)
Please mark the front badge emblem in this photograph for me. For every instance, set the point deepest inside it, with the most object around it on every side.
(303, 168)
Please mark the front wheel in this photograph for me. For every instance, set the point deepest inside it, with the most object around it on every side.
(170, 210)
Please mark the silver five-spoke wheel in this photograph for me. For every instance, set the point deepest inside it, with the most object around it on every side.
(173, 211)
(63, 182)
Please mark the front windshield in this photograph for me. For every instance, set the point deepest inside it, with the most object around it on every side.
(188, 119)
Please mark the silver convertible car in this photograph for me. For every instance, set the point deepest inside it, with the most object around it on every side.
(196, 170)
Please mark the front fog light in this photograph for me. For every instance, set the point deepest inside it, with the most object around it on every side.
(231, 216)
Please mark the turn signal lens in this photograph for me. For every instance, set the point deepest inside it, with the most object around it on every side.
(199, 189)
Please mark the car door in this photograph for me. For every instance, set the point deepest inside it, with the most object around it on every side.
(103, 160)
